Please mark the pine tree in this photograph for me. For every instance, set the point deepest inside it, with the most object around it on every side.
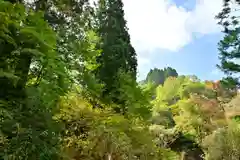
(117, 51)
(229, 45)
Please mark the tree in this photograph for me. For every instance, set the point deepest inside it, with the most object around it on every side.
(40, 60)
(27, 98)
(229, 45)
(170, 72)
(117, 51)
(72, 20)
(158, 76)
(91, 134)
(51, 103)
(224, 143)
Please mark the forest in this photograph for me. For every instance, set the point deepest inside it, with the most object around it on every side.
(69, 89)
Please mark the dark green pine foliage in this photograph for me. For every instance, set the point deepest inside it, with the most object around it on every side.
(158, 76)
(229, 46)
(117, 52)
(170, 72)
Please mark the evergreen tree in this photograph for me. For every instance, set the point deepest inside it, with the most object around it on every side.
(170, 72)
(117, 52)
(229, 45)
(158, 76)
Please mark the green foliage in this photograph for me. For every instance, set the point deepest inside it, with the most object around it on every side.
(69, 91)
(158, 76)
(133, 99)
(224, 143)
(26, 124)
(98, 133)
(189, 107)
(228, 46)
(117, 55)
(232, 110)
(34, 77)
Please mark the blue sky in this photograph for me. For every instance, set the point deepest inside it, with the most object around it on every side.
(182, 34)
(196, 58)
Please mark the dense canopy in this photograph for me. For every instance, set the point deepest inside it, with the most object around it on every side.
(69, 90)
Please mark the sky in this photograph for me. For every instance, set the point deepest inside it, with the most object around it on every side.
(181, 34)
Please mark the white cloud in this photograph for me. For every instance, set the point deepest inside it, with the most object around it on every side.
(143, 61)
(161, 24)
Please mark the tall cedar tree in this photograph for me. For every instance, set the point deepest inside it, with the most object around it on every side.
(229, 46)
(117, 52)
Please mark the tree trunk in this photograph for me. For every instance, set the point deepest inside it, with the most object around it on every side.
(22, 69)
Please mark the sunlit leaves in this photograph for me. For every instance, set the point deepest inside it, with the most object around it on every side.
(95, 133)
(224, 143)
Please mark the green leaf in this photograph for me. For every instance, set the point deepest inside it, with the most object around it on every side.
(34, 52)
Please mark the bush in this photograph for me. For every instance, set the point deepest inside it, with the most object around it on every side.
(224, 143)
